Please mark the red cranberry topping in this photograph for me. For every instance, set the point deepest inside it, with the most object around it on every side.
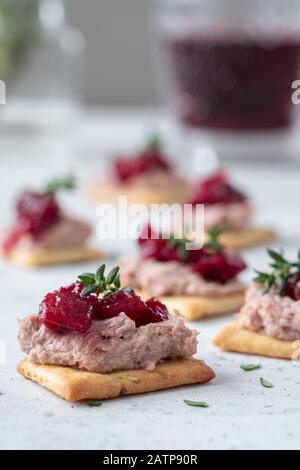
(212, 265)
(216, 189)
(292, 290)
(13, 238)
(64, 312)
(132, 305)
(127, 168)
(158, 307)
(36, 213)
(153, 247)
(219, 267)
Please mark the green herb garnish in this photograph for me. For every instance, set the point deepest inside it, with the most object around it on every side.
(101, 284)
(52, 187)
(283, 271)
(154, 143)
(250, 367)
(94, 403)
(265, 383)
(181, 246)
(197, 404)
(213, 240)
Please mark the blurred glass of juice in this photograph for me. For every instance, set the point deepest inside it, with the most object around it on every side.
(227, 69)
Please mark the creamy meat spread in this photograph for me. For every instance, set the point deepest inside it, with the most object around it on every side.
(271, 314)
(66, 233)
(235, 216)
(114, 344)
(153, 179)
(172, 278)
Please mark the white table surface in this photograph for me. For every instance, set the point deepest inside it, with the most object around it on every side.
(242, 414)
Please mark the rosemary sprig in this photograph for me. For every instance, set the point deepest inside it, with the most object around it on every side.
(213, 241)
(100, 284)
(283, 271)
(52, 187)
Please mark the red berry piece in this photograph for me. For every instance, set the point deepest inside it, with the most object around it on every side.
(127, 168)
(37, 211)
(216, 189)
(220, 267)
(159, 308)
(130, 304)
(64, 312)
(151, 246)
(292, 290)
(35, 214)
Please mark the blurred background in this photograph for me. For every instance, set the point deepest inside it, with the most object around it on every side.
(222, 71)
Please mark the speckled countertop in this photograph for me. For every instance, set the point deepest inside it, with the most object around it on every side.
(242, 414)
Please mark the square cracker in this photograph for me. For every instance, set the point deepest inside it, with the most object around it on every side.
(247, 238)
(41, 257)
(235, 338)
(196, 307)
(99, 193)
(77, 385)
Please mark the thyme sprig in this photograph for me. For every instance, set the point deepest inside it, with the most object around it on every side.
(154, 143)
(283, 271)
(213, 239)
(181, 246)
(213, 243)
(101, 284)
(57, 184)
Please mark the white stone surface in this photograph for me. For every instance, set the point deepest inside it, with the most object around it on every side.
(242, 414)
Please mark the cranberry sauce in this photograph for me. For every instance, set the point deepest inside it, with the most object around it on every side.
(213, 265)
(150, 159)
(232, 83)
(216, 189)
(36, 213)
(66, 311)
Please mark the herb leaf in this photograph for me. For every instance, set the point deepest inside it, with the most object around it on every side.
(282, 272)
(197, 404)
(94, 403)
(213, 241)
(111, 277)
(265, 383)
(250, 367)
(52, 187)
(180, 244)
(100, 284)
(154, 143)
(86, 278)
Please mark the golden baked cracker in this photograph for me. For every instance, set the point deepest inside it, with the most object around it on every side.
(197, 307)
(235, 338)
(247, 238)
(98, 193)
(77, 385)
(42, 257)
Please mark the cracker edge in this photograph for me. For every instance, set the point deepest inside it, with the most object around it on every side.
(195, 308)
(37, 258)
(97, 194)
(248, 238)
(235, 338)
(75, 385)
